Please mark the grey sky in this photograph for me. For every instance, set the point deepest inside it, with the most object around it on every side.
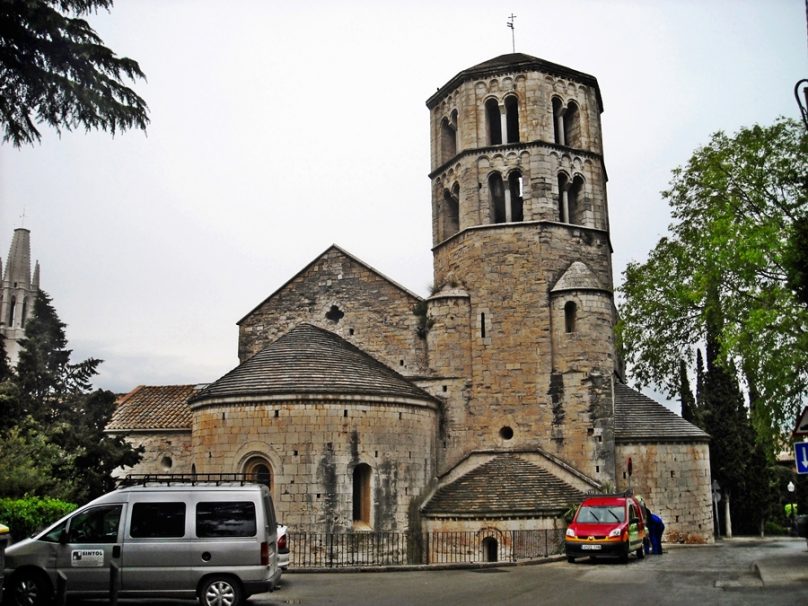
(279, 128)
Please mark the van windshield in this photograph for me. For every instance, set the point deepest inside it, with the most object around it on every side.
(601, 514)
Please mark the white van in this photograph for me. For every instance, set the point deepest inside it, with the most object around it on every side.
(156, 536)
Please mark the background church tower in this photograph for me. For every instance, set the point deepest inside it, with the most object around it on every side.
(522, 317)
(17, 292)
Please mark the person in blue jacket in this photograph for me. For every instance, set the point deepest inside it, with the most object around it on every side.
(655, 528)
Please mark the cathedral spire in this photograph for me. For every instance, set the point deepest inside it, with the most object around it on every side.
(17, 292)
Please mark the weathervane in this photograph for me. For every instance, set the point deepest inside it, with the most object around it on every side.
(511, 17)
(22, 218)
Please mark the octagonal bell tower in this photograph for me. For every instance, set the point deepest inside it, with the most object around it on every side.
(522, 317)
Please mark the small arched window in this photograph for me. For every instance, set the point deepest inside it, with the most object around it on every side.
(563, 197)
(448, 140)
(493, 120)
(574, 196)
(361, 494)
(512, 118)
(259, 470)
(497, 189)
(570, 313)
(451, 211)
(515, 188)
(11, 308)
(572, 125)
(558, 121)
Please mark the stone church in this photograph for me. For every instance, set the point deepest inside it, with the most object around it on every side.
(18, 290)
(496, 402)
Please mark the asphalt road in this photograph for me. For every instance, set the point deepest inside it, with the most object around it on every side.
(738, 572)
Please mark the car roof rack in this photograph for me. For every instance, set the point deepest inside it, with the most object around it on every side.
(626, 493)
(192, 479)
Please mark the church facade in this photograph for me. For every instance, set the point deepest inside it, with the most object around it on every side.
(496, 402)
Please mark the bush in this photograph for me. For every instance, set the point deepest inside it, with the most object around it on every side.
(773, 529)
(31, 514)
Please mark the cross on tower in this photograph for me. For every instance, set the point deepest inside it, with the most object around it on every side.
(510, 24)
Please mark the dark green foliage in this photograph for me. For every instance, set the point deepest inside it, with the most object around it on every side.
(738, 208)
(689, 412)
(54, 69)
(53, 441)
(5, 368)
(32, 514)
(796, 259)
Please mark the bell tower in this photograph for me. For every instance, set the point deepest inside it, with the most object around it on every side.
(17, 292)
(522, 316)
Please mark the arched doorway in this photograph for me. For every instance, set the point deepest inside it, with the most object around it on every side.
(490, 550)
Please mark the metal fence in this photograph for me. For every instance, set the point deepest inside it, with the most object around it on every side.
(358, 549)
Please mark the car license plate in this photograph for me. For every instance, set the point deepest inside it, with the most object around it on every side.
(591, 547)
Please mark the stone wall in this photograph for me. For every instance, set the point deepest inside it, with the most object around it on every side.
(551, 389)
(674, 479)
(164, 452)
(313, 448)
(342, 295)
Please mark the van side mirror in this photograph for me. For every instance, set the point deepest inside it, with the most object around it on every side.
(63, 537)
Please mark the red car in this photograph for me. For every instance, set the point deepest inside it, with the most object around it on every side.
(606, 525)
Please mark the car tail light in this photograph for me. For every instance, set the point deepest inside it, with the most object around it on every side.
(264, 554)
(282, 542)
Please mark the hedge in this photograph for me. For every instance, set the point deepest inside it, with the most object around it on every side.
(26, 516)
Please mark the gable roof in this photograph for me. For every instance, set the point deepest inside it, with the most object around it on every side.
(638, 418)
(507, 484)
(311, 361)
(346, 254)
(510, 63)
(163, 407)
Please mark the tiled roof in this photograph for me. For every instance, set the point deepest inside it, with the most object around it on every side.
(149, 407)
(507, 484)
(577, 277)
(639, 418)
(310, 360)
(514, 62)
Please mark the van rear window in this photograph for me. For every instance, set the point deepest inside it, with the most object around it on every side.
(225, 519)
(158, 520)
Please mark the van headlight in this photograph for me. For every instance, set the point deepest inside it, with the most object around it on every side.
(616, 532)
(570, 532)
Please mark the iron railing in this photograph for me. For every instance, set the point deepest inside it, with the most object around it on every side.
(367, 549)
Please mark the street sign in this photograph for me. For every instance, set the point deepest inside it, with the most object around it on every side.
(801, 456)
(801, 427)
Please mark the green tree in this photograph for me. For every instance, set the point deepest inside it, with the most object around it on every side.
(54, 69)
(689, 411)
(56, 403)
(734, 206)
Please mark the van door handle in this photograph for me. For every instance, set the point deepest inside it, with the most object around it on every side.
(116, 551)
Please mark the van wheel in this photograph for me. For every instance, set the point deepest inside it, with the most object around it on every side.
(29, 588)
(640, 553)
(220, 591)
(571, 559)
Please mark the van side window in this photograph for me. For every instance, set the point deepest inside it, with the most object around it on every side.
(158, 520)
(96, 525)
(225, 519)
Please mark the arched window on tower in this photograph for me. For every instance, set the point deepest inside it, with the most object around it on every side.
(361, 494)
(493, 121)
(558, 121)
(515, 187)
(574, 195)
(572, 125)
(512, 118)
(11, 307)
(448, 140)
(570, 313)
(495, 186)
(24, 314)
(451, 211)
(563, 197)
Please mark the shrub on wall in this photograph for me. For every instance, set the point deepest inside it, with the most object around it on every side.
(29, 515)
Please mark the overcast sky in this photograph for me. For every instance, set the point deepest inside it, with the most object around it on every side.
(279, 128)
